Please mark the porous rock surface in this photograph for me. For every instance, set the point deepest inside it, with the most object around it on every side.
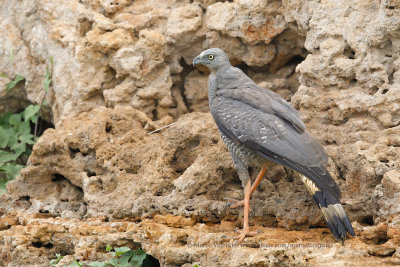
(123, 68)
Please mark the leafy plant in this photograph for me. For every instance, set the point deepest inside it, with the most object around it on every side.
(54, 262)
(15, 132)
(121, 257)
(13, 82)
(16, 138)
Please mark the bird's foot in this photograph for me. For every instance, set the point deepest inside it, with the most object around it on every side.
(233, 203)
(245, 233)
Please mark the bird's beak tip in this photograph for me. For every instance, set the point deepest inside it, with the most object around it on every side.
(196, 61)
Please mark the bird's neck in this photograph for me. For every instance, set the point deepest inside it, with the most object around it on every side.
(212, 87)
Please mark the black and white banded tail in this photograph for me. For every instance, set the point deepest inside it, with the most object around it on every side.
(334, 214)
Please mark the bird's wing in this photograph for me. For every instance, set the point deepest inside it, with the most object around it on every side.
(271, 135)
(233, 83)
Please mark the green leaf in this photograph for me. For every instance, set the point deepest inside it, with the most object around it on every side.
(124, 260)
(15, 119)
(75, 263)
(138, 258)
(3, 183)
(31, 111)
(97, 264)
(14, 82)
(11, 170)
(47, 81)
(18, 148)
(23, 128)
(51, 60)
(121, 250)
(6, 156)
(27, 138)
(6, 134)
(54, 262)
(2, 74)
(4, 119)
(114, 262)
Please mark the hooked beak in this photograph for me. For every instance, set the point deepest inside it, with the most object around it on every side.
(196, 61)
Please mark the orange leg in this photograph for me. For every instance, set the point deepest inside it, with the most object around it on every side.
(246, 231)
(253, 187)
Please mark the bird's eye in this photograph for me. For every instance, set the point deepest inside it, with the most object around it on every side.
(210, 57)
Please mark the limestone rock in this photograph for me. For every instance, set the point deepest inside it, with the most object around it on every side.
(37, 238)
(196, 92)
(124, 68)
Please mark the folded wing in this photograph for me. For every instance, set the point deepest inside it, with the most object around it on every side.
(268, 125)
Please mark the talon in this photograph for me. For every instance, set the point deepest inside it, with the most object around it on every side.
(243, 235)
(233, 203)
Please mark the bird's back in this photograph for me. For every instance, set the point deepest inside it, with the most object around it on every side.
(266, 124)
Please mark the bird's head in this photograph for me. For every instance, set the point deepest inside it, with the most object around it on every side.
(213, 58)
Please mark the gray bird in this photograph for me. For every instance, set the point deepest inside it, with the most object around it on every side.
(260, 128)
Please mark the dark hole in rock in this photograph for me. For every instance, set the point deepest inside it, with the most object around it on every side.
(42, 125)
(349, 52)
(183, 239)
(390, 79)
(189, 208)
(330, 142)
(58, 178)
(297, 59)
(108, 127)
(244, 67)
(73, 152)
(185, 156)
(24, 198)
(353, 81)
(382, 241)
(90, 174)
(150, 261)
(373, 90)
(185, 72)
(384, 91)
(49, 246)
(40, 244)
(44, 211)
(85, 26)
(368, 220)
(37, 244)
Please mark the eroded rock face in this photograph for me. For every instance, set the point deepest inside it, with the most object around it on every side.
(123, 68)
(105, 164)
(177, 241)
(129, 53)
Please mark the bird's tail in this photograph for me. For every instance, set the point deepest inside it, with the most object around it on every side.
(334, 214)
